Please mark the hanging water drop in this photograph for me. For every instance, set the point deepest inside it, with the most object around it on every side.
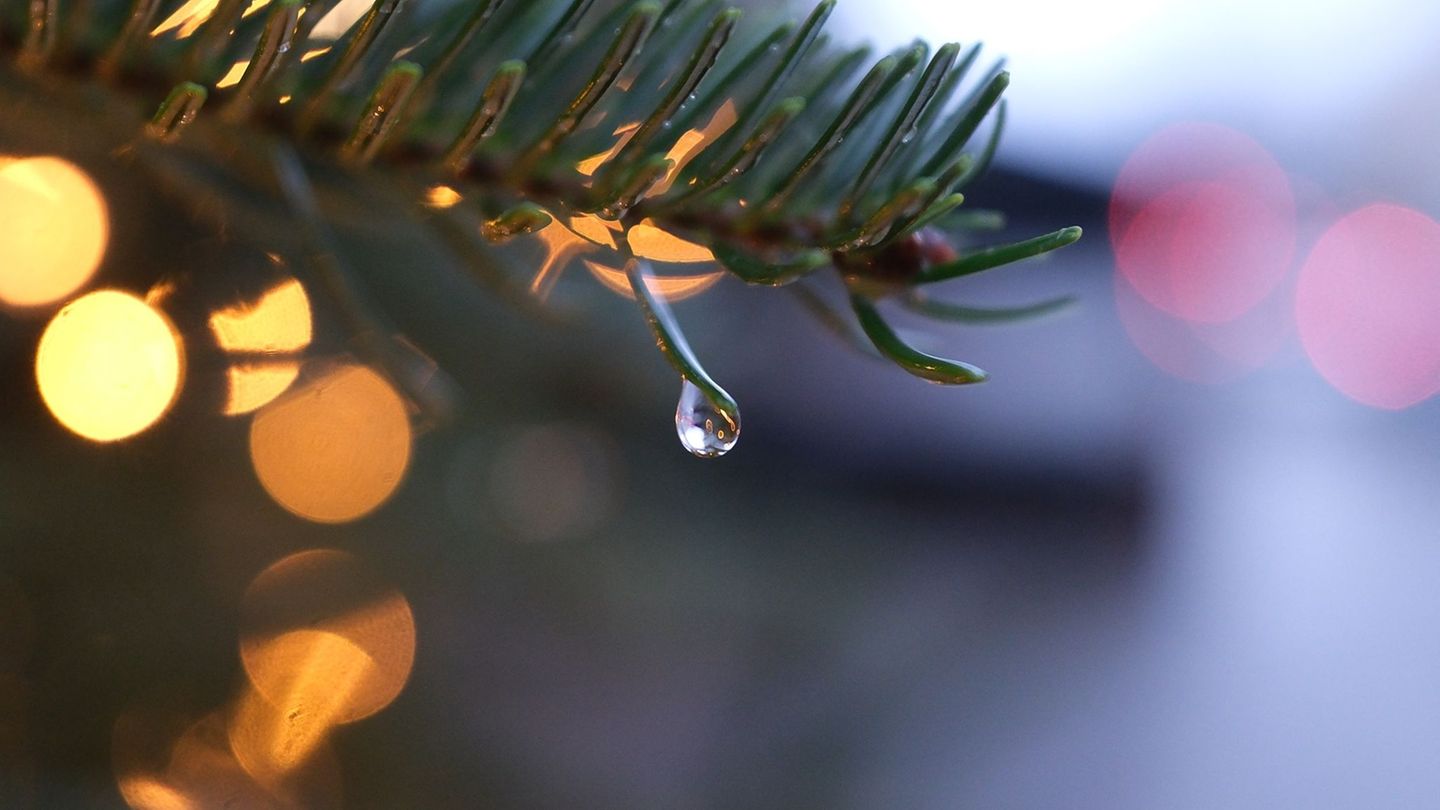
(705, 429)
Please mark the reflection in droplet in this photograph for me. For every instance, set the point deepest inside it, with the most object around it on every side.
(318, 628)
(1366, 306)
(339, 19)
(597, 230)
(441, 196)
(706, 430)
(192, 14)
(561, 246)
(54, 228)
(255, 7)
(693, 142)
(275, 327)
(671, 288)
(335, 448)
(650, 241)
(590, 165)
(108, 365)
(233, 76)
(187, 18)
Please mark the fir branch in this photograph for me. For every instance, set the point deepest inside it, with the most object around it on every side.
(860, 174)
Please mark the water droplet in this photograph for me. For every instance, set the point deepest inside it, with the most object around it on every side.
(705, 429)
(909, 136)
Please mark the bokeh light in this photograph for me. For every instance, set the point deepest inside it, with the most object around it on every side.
(320, 632)
(279, 321)
(163, 763)
(1367, 302)
(54, 227)
(204, 769)
(254, 384)
(270, 332)
(1211, 353)
(554, 482)
(286, 748)
(145, 792)
(108, 365)
(334, 448)
(1202, 222)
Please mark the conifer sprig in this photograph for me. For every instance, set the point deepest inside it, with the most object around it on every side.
(808, 161)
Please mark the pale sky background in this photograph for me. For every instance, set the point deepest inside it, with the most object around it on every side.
(1340, 90)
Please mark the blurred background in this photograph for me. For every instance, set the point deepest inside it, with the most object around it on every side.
(1179, 552)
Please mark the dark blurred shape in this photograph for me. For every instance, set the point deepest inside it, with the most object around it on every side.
(17, 639)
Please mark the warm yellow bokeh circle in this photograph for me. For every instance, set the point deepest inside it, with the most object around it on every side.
(334, 449)
(109, 365)
(321, 633)
(54, 227)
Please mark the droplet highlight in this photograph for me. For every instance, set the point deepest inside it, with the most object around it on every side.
(706, 429)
